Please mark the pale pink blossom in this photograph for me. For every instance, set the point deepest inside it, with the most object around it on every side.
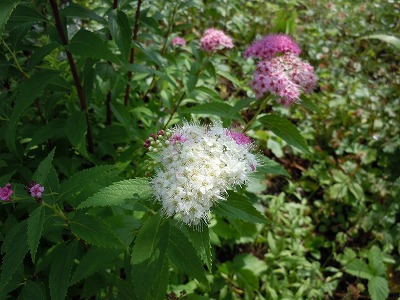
(269, 45)
(239, 137)
(178, 41)
(214, 39)
(36, 191)
(6, 192)
(286, 76)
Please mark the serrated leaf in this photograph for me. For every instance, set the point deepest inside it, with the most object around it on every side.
(375, 261)
(88, 44)
(15, 248)
(150, 277)
(31, 291)
(285, 130)
(238, 206)
(146, 240)
(386, 38)
(269, 166)
(85, 183)
(76, 10)
(60, 272)
(378, 288)
(94, 231)
(43, 170)
(182, 253)
(201, 242)
(117, 193)
(120, 31)
(35, 228)
(96, 259)
(7, 6)
(359, 268)
(219, 109)
(75, 129)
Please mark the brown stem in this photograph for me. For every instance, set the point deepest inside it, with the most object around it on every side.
(174, 110)
(115, 4)
(108, 114)
(78, 86)
(132, 53)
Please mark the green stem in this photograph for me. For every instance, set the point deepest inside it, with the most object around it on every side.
(57, 211)
(17, 65)
(263, 105)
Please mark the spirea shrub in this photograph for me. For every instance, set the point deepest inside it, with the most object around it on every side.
(197, 164)
(214, 39)
(280, 71)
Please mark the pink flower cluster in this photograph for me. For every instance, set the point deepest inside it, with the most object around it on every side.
(178, 41)
(284, 75)
(214, 39)
(6, 192)
(238, 137)
(36, 191)
(269, 45)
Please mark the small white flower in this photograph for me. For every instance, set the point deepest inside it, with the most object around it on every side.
(197, 166)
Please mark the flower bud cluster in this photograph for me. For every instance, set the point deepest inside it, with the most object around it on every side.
(6, 192)
(178, 41)
(280, 72)
(196, 168)
(214, 39)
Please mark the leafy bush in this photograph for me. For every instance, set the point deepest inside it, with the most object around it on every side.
(95, 94)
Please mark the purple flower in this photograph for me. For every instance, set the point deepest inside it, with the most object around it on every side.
(286, 76)
(214, 39)
(36, 191)
(269, 45)
(238, 137)
(6, 192)
(177, 138)
(178, 41)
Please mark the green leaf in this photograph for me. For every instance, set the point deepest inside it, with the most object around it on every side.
(375, 261)
(229, 76)
(285, 130)
(95, 231)
(143, 69)
(359, 268)
(35, 228)
(208, 92)
(201, 242)
(151, 276)
(151, 55)
(182, 253)
(76, 10)
(120, 31)
(238, 206)
(117, 193)
(219, 109)
(75, 129)
(96, 259)
(29, 90)
(43, 170)
(88, 44)
(25, 15)
(378, 288)
(85, 183)
(15, 247)
(60, 272)
(31, 291)
(386, 38)
(269, 166)
(146, 240)
(7, 6)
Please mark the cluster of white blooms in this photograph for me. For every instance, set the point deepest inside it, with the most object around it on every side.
(197, 165)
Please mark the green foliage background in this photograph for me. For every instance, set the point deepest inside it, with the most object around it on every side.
(320, 220)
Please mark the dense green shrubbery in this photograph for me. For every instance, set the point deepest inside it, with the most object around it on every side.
(75, 111)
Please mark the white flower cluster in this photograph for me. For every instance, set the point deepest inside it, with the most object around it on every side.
(198, 164)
